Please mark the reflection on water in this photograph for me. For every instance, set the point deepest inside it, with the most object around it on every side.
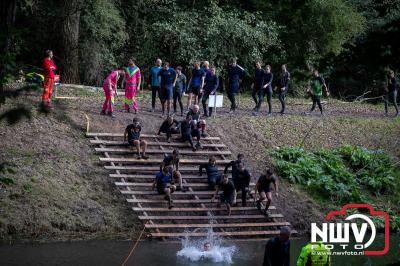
(194, 249)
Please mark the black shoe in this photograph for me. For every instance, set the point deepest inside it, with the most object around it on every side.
(103, 112)
(194, 149)
(168, 140)
(145, 157)
(111, 114)
(258, 205)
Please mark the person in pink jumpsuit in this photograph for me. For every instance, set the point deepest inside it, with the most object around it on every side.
(110, 87)
(132, 79)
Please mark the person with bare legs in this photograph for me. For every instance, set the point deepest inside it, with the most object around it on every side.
(167, 83)
(132, 131)
(263, 188)
(228, 195)
(195, 84)
(169, 126)
(164, 184)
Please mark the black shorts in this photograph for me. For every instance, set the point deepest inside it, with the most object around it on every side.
(194, 89)
(161, 189)
(228, 199)
(265, 189)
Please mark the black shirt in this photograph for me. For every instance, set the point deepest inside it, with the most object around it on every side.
(264, 182)
(186, 128)
(195, 116)
(259, 78)
(165, 126)
(268, 78)
(392, 84)
(169, 160)
(211, 83)
(227, 188)
(211, 170)
(285, 79)
(277, 253)
(242, 178)
(234, 165)
(133, 132)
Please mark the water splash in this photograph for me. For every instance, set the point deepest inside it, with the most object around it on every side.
(192, 249)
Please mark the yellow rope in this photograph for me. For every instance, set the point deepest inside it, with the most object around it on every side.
(134, 246)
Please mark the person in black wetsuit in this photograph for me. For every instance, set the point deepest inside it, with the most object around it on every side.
(263, 188)
(213, 176)
(133, 132)
(234, 165)
(235, 74)
(228, 193)
(169, 126)
(210, 87)
(268, 79)
(277, 249)
(391, 92)
(188, 131)
(283, 87)
(242, 181)
(258, 92)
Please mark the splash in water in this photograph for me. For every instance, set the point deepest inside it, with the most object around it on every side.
(193, 250)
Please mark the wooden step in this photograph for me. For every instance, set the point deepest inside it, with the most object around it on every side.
(225, 234)
(154, 143)
(159, 161)
(178, 201)
(215, 225)
(215, 217)
(143, 135)
(192, 209)
(152, 176)
(157, 151)
(194, 185)
(152, 169)
(151, 192)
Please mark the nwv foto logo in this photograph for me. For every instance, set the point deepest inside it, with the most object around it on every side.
(332, 234)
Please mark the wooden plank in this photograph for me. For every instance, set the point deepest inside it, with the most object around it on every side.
(156, 151)
(192, 209)
(151, 192)
(127, 184)
(135, 184)
(226, 234)
(228, 225)
(177, 201)
(151, 176)
(121, 135)
(153, 169)
(159, 161)
(153, 143)
(205, 217)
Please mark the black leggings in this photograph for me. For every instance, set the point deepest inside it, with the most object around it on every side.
(281, 97)
(171, 131)
(269, 99)
(258, 97)
(206, 95)
(391, 96)
(316, 100)
(178, 98)
(232, 98)
(154, 91)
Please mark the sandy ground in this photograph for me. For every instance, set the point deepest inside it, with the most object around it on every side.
(62, 192)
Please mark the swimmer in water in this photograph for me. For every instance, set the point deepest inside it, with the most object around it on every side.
(207, 246)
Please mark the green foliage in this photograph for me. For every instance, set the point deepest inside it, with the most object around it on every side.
(340, 174)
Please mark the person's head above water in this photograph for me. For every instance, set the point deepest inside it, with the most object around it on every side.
(207, 246)
(284, 234)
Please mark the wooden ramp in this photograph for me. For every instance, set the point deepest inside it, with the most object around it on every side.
(193, 211)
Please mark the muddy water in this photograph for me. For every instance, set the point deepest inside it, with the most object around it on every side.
(154, 253)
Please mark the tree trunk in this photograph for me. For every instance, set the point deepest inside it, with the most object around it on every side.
(8, 11)
(70, 41)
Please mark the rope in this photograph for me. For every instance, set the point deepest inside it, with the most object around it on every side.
(134, 246)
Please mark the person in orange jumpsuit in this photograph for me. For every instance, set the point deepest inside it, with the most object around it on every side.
(49, 68)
